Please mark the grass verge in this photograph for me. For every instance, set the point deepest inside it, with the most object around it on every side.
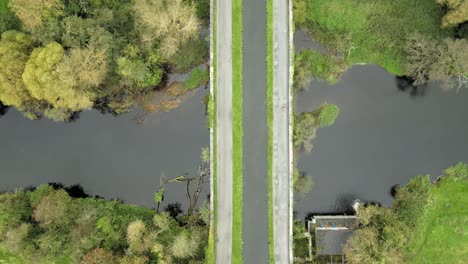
(211, 248)
(269, 61)
(237, 130)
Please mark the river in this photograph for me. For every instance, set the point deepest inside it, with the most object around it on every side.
(110, 156)
(383, 136)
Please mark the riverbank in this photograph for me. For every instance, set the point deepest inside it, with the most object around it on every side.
(113, 156)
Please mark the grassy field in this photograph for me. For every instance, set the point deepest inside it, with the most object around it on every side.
(269, 60)
(371, 31)
(211, 247)
(237, 130)
(441, 234)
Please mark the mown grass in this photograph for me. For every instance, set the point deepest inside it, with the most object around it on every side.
(372, 31)
(197, 78)
(440, 235)
(211, 247)
(269, 62)
(237, 130)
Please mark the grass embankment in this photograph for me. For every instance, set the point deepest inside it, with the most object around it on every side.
(211, 248)
(269, 62)
(370, 31)
(197, 78)
(237, 130)
(440, 235)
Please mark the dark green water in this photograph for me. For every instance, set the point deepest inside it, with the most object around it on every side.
(255, 134)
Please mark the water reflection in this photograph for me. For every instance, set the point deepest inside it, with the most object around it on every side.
(3, 109)
(405, 84)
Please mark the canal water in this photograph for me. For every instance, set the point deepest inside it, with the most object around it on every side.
(385, 135)
(110, 156)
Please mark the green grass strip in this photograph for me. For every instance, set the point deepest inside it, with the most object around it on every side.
(269, 61)
(211, 248)
(237, 130)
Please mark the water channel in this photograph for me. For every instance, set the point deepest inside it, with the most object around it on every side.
(109, 156)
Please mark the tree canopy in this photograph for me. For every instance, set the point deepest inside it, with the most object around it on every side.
(46, 225)
(14, 52)
(73, 55)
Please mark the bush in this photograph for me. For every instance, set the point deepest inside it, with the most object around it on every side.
(325, 115)
(318, 66)
(304, 131)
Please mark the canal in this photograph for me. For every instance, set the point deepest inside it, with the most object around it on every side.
(110, 156)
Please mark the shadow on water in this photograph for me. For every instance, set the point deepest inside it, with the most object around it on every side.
(405, 84)
(394, 190)
(3, 109)
(74, 191)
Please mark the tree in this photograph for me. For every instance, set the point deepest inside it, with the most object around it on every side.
(457, 12)
(302, 183)
(33, 13)
(84, 68)
(452, 62)
(173, 22)
(44, 80)
(184, 246)
(362, 247)
(54, 210)
(136, 232)
(422, 52)
(80, 33)
(380, 238)
(304, 131)
(432, 60)
(98, 256)
(14, 51)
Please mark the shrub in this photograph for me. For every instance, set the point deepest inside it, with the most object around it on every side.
(325, 115)
(304, 131)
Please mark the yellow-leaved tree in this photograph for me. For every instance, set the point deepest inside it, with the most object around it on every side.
(457, 12)
(173, 22)
(33, 13)
(14, 52)
(65, 80)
